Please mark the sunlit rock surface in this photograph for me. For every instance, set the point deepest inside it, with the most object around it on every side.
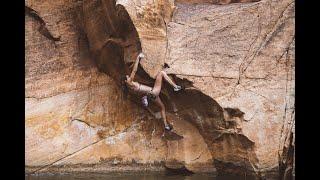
(236, 60)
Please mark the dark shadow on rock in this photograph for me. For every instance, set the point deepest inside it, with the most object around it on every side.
(180, 171)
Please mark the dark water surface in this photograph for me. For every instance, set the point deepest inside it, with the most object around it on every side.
(133, 176)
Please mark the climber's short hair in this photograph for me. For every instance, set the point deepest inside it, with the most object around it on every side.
(165, 65)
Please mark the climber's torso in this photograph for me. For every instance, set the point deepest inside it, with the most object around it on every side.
(139, 88)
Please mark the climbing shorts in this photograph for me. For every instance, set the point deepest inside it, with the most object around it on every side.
(145, 101)
(151, 96)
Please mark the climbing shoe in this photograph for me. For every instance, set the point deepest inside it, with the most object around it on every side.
(178, 88)
(168, 128)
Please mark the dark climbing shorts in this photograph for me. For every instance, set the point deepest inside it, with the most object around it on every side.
(151, 96)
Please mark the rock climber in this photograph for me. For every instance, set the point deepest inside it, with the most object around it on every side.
(150, 93)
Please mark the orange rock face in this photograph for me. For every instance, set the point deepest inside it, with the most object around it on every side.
(236, 60)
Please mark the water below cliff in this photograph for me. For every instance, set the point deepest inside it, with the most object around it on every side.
(134, 176)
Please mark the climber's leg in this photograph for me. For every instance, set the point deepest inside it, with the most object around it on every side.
(163, 112)
(158, 83)
(168, 79)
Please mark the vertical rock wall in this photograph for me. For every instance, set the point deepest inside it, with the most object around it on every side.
(242, 55)
(70, 105)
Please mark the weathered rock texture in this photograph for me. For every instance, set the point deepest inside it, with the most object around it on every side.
(236, 60)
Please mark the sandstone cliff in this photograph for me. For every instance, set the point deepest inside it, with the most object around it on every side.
(235, 57)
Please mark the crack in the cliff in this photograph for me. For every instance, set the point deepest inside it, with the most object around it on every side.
(42, 28)
(195, 75)
(167, 41)
(255, 112)
(249, 50)
(85, 147)
(258, 78)
(290, 126)
(198, 157)
(282, 133)
(80, 120)
(266, 38)
(257, 94)
(286, 153)
(285, 52)
(286, 49)
(52, 163)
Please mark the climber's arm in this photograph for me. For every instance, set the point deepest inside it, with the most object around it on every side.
(135, 67)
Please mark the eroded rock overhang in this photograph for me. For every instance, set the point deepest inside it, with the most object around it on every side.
(222, 126)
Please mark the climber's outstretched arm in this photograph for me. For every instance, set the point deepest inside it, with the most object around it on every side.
(135, 67)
